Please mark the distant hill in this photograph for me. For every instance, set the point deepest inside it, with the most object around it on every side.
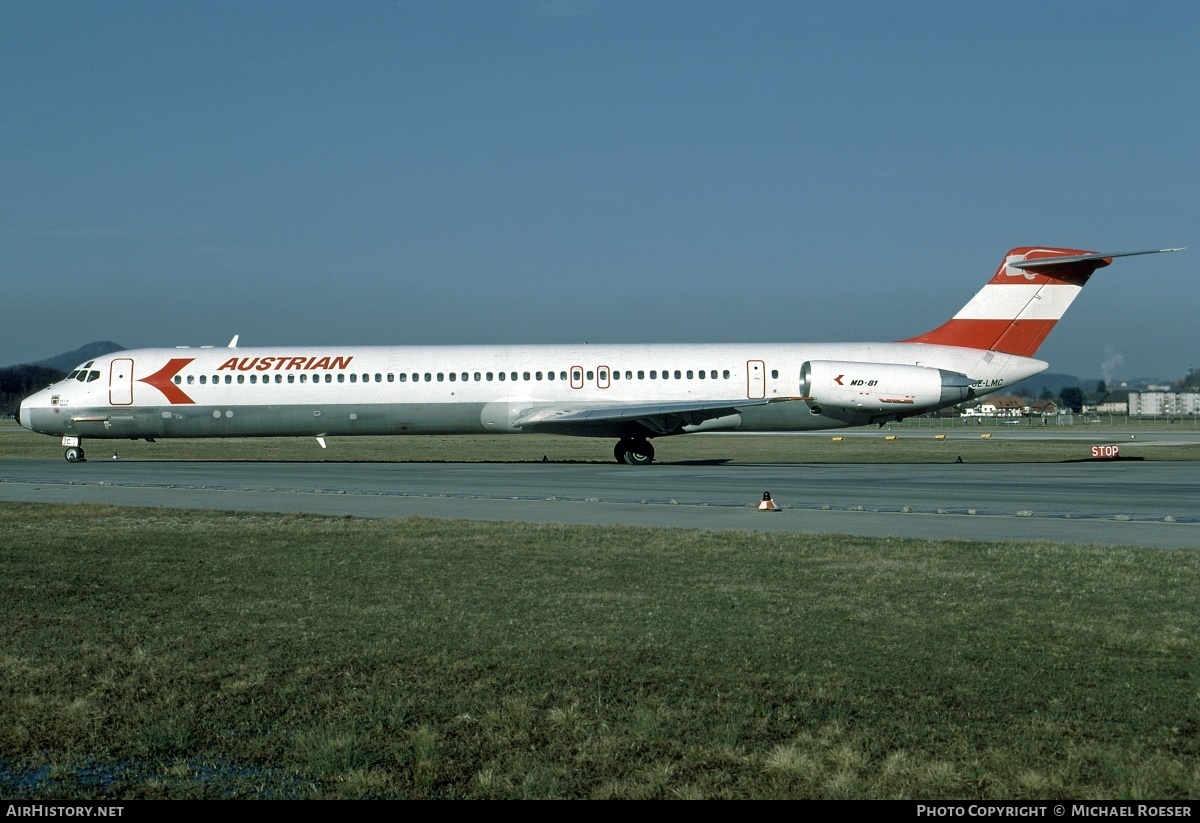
(1034, 386)
(69, 360)
(23, 379)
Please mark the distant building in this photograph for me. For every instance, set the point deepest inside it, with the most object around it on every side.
(1003, 407)
(1164, 403)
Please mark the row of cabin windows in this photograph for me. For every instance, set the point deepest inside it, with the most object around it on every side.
(577, 376)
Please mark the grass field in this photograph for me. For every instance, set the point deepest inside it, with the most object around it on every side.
(914, 443)
(159, 653)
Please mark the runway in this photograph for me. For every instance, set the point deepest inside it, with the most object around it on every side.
(1152, 504)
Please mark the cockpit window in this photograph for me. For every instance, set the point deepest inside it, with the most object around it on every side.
(82, 374)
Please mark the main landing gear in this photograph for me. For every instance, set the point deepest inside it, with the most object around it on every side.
(634, 451)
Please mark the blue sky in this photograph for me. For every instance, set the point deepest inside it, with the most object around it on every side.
(585, 170)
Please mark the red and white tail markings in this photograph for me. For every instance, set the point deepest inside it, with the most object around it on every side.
(1015, 311)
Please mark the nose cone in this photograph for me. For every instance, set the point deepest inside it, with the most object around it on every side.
(23, 413)
(34, 412)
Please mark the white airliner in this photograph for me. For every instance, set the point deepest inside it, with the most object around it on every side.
(629, 392)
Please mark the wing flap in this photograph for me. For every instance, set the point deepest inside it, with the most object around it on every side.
(656, 418)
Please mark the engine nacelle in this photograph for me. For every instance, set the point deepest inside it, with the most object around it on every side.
(880, 387)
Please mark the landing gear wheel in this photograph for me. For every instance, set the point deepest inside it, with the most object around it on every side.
(74, 455)
(634, 452)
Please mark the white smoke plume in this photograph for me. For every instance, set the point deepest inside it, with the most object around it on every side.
(1112, 361)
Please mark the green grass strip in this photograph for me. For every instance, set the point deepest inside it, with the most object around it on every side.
(163, 653)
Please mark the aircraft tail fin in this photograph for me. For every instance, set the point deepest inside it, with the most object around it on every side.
(1018, 307)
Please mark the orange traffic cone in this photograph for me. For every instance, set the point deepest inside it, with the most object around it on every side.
(767, 504)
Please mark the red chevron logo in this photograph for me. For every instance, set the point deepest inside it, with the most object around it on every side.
(161, 380)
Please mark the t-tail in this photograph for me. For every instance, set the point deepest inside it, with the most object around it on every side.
(1017, 308)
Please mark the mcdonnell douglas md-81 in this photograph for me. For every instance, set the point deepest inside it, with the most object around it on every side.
(632, 393)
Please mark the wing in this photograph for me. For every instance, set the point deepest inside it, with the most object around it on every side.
(645, 420)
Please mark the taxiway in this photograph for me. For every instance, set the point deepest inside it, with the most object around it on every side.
(1117, 503)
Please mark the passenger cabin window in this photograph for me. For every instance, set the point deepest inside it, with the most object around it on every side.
(774, 374)
(203, 379)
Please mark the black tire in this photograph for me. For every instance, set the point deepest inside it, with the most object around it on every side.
(74, 454)
(634, 452)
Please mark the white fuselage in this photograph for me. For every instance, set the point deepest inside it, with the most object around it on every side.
(347, 390)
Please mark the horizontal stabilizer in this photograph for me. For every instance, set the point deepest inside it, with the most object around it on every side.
(1048, 262)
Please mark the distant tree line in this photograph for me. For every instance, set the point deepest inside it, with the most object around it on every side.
(17, 382)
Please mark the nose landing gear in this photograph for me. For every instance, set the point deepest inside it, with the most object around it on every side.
(74, 449)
